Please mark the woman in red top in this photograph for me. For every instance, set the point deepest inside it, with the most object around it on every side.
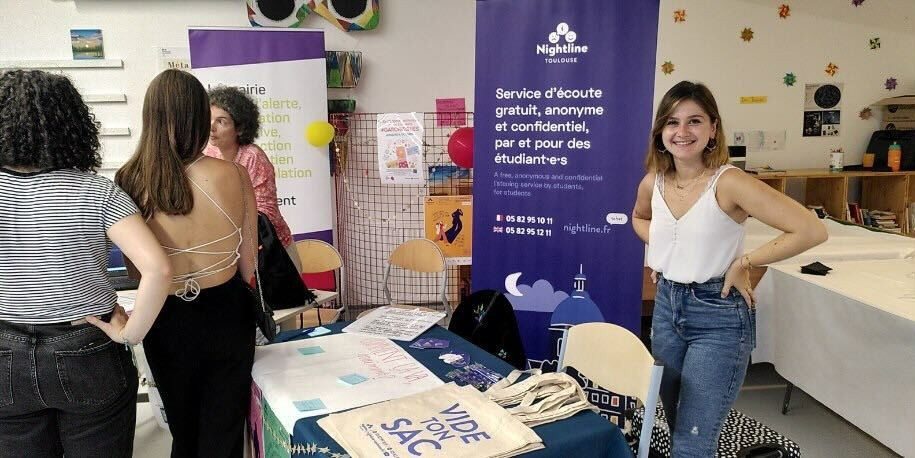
(234, 121)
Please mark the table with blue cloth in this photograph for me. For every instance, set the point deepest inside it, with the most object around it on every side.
(586, 434)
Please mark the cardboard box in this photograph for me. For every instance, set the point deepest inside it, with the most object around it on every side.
(898, 108)
(897, 125)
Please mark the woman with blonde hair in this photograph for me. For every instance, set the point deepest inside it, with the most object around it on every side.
(201, 347)
(690, 210)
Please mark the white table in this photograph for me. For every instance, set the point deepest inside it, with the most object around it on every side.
(286, 317)
(847, 339)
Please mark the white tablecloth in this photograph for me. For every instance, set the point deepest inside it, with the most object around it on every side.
(847, 339)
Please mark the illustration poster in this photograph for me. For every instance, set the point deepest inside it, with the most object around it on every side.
(448, 224)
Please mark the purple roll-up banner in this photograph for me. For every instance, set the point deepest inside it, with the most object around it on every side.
(562, 116)
(284, 71)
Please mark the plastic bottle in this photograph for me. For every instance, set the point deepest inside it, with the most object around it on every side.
(894, 156)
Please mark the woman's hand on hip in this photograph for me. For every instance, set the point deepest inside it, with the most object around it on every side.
(739, 277)
(115, 326)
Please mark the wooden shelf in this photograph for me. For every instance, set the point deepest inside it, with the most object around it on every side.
(114, 132)
(64, 63)
(104, 98)
(888, 191)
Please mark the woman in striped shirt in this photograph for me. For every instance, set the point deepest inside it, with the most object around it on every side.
(66, 388)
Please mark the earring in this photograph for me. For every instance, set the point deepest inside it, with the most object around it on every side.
(712, 143)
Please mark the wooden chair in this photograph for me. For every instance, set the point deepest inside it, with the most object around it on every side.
(616, 360)
(318, 256)
(423, 256)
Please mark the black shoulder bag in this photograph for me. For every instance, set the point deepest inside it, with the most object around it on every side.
(263, 314)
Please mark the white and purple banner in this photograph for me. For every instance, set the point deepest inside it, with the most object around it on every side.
(284, 70)
(562, 118)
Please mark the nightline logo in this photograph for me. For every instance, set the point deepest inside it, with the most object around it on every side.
(562, 44)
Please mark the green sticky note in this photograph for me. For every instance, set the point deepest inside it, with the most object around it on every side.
(353, 379)
(311, 350)
(311, 404)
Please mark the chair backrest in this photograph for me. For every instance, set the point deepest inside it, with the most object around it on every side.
(420, 255)
(611, 357)
(318, 256)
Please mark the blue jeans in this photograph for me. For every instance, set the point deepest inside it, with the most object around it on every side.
(65, 390)
(704, 342)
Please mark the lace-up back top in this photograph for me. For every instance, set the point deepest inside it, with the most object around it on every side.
(224, 260)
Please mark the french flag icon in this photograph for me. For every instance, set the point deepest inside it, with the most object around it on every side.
(498, 217)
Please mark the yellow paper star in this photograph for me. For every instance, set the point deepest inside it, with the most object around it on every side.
(831, 69)
(667, 67)
(746, 34)
(680, 16)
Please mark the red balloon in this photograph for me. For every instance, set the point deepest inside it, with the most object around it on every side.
(460, 147)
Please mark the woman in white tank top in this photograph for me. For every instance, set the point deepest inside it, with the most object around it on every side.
(690, 210)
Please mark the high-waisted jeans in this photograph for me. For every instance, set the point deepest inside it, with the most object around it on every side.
(704, 342)
(65, 390)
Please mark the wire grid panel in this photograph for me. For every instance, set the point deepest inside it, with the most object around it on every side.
(373, 218)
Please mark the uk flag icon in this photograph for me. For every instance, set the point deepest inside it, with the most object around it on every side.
(497, 229)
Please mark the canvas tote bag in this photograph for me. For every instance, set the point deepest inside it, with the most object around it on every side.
(540, 398)
(448, 421)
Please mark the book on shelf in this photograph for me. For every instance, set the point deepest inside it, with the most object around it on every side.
(854, 211)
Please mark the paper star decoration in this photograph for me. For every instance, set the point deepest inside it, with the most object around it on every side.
(746, 34)
(680, 16)
(784, 11)
(875, 43)
(667, 67)
(789, 79)
(890, 83)
(865, 113)
(324, 450)
(857, 2)
(831, 69)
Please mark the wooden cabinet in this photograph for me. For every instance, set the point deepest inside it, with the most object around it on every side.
(888, 191)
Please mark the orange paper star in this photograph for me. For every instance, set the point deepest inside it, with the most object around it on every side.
(680, 16)
(831, 69)
(667, 67)
(784, 11)
(746, 34)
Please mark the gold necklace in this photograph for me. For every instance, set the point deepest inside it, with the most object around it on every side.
(681, 191)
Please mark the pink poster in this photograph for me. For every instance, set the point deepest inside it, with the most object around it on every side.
(451, 112)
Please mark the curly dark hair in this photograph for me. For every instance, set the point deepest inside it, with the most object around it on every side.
(45, 124)
(241, 107)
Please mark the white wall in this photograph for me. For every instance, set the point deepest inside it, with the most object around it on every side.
(707, 48)
(422, 49)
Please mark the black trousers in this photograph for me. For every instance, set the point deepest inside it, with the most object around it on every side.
(65, 390)
(200, 353)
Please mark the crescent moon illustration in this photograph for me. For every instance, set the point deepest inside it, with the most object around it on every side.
(511, 284)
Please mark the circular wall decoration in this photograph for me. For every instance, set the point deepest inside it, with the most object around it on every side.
(827, 96)
(277, 13)
(348, 15)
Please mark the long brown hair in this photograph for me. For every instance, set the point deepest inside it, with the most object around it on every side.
(176, 126)
(660, 160)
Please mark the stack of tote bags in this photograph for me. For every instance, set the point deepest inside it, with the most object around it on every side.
(453, 421)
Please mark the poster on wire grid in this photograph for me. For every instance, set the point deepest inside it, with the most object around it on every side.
(400, 148)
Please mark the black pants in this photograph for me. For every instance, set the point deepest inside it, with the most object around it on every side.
(200, 353)
(65, 390)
